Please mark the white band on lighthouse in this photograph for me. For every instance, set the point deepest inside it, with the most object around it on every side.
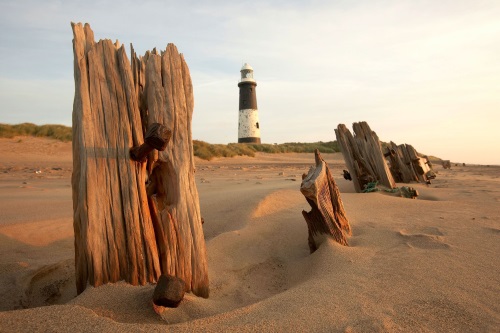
(248, 126)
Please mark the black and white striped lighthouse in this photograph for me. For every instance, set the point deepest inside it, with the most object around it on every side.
(248, 125)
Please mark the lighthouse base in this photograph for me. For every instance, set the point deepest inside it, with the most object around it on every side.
(249, 140)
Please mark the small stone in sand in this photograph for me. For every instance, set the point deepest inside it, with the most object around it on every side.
(169, 291)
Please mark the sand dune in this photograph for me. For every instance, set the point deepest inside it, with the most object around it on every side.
(425, 265)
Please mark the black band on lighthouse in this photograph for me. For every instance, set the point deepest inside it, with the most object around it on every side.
(249, 140)
(248, 97)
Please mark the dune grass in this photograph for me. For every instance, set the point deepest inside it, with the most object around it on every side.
(58, 132)
(208, 151)
(202, 149)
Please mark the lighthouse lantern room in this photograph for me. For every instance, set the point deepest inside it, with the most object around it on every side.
(248, 124)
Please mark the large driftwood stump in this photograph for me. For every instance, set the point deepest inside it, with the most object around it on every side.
(363, 156)
(327, 216)
(125, 230)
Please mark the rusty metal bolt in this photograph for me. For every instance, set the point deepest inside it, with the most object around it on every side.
(157, 137)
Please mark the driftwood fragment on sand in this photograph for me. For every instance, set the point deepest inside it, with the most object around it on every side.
(363, 156)
(327, 216)
(123, 229)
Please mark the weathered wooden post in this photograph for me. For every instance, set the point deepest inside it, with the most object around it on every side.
(420, 165)
(407, 166)
(401, 165)
(123, 230)
(166, 97)
(327, 216)
(363, 156)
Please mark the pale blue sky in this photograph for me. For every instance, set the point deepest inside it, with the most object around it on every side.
(425, 73)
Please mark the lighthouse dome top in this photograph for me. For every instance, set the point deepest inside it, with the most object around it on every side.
(247, 73)
(246, 67)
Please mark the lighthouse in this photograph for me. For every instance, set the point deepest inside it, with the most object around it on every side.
(248, 124)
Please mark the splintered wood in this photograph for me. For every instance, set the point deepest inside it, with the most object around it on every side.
(133, 221)
(327, 216)
(363, 156)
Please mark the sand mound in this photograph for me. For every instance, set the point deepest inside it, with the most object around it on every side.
(278, 201)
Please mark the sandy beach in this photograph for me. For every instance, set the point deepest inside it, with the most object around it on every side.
(425, 265)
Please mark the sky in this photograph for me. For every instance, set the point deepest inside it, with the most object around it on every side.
(425, 73)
